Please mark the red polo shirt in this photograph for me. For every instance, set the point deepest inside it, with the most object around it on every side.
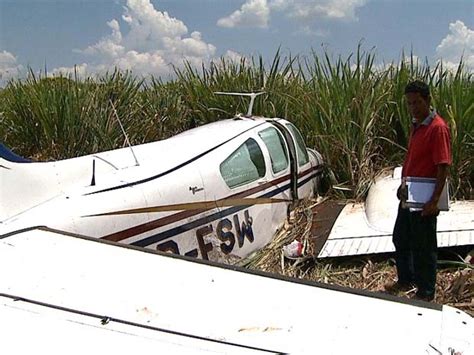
(429, 145)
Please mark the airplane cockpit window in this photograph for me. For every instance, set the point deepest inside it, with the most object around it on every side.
(300, 146)
(244, 165)
(276, 147)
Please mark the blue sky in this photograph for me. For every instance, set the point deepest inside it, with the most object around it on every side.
(147, 36)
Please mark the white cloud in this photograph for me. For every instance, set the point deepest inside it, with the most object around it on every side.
(143, 62)
(458, 43)
(407, 60)
(330, 9)
(309, 31)
(9, 67)
(149, 27)
(109, 46)
(155, 41)
(254, 13)
(81, 70)
(279, 5)
(233, 56)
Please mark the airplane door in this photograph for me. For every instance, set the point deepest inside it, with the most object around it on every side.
(300, 164)
(293, 158)
(305, 171)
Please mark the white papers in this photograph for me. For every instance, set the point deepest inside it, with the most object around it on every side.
(420, 191)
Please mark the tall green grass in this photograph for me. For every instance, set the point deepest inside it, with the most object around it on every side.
(350, 109)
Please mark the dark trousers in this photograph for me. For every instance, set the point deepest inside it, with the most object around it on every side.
(416, 253)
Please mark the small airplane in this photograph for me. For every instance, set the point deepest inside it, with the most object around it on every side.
(216, 192)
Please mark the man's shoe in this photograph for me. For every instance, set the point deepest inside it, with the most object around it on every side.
(422, 296)
(398, 287)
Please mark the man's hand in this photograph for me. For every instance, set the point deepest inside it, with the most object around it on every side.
(402, 192)
(430, 209)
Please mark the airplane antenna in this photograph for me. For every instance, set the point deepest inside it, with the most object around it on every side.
(93, 173)
(124, 133)
(252, 96)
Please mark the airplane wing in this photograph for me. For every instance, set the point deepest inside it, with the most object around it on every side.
(74, 294)
(56, 331)
(366, 228)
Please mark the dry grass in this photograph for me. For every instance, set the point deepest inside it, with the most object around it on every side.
(455, 282)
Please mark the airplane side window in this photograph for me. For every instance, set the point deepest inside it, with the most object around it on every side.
(276, 147)
(300, 146)
(244, 165)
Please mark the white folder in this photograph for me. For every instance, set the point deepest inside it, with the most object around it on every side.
(420, 191)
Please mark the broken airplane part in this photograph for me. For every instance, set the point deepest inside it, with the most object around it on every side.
(366, 228)
(217, 192)
(112, 297)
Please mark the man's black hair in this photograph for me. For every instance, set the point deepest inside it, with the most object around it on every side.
(418, 86)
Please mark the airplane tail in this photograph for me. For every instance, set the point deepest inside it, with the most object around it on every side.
(25, 184)
(13, 185)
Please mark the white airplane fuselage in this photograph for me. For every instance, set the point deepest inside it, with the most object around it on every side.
(217, 192)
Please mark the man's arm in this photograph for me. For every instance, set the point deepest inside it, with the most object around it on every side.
(431, 207)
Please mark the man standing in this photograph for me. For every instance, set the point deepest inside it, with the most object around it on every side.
(414, 234)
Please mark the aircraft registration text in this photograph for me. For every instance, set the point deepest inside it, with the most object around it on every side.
(224, 236)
